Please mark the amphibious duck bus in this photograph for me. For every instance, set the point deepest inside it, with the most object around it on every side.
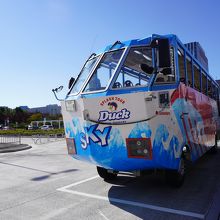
(143, 104)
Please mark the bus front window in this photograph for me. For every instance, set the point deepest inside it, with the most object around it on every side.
(104, 71)
(132, 72)
(84, 74)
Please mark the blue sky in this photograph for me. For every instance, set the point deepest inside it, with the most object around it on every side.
(45, 42)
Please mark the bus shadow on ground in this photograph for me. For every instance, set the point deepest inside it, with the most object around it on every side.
(195, 195)
(44, 177)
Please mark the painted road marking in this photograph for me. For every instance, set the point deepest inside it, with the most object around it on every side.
(78, 183)
(103, 215)
(127, 202)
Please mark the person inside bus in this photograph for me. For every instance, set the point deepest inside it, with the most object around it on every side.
(214, 96)
(189, 84)
(183, 80)
(210, 91)
(94, 83)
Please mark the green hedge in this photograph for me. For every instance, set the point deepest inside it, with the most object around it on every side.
(25, 132)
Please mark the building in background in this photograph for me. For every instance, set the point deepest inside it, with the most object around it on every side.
(198, 52)
(48, 109)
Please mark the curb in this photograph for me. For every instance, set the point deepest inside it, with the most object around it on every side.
(8, 148)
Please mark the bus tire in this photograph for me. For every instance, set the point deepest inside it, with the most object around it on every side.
(214, 149)
(103, 173)
(176, 177)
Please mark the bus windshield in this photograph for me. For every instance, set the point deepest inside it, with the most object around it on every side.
(84, 74)
(104, 71)
(132, 72)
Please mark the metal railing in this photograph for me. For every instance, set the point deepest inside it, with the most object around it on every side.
(8, 139)
(43, 139)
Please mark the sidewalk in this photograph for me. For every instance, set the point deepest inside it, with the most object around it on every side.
(12, 147)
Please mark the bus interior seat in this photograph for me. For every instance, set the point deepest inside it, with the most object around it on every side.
(128, 83)
(160, 79)
(117, 85)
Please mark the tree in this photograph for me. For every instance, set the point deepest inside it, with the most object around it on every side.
(35, 117)
(5, 114)
(19, 115)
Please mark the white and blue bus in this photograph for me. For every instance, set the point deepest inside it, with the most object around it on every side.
(140, 105)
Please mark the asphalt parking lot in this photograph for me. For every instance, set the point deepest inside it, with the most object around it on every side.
(45, 183)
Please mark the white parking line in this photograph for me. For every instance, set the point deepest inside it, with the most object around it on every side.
(77, 183)
(127, 202)
(103, 215)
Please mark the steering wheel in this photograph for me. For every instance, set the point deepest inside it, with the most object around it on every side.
(117, 85)
(128, 83)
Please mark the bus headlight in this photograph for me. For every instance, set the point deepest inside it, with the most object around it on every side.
(70, 105)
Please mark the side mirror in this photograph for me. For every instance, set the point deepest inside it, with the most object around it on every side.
(72, 80)
(163, 47)
(58, 89)
(147, 69)
(164, 53)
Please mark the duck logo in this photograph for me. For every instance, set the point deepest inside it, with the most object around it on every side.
(109, 116)
(112, 106)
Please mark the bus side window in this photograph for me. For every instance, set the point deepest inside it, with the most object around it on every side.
(189, 71)
(204, 83)
(196, 77)
(181, 66)
(218, 101)
(209, 88)
(214, 94)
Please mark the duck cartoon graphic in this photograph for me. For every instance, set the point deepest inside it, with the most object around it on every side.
(112, 106)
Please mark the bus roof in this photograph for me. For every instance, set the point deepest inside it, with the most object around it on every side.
(144, 41)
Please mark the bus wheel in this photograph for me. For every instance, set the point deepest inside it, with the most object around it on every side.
(214, 149)
(103, 173)
(176, 177)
